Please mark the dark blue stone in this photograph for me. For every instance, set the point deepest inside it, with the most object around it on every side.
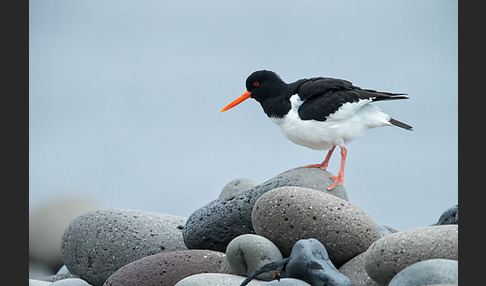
(310, 262)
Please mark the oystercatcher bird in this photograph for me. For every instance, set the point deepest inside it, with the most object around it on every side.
(319, 113)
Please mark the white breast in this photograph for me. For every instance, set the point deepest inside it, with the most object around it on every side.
(349, 122)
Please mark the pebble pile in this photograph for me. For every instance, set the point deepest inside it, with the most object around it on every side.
(319, 237)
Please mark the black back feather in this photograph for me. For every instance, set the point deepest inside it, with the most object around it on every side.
(323, 96)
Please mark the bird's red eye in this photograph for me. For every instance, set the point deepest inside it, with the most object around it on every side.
(256, 83)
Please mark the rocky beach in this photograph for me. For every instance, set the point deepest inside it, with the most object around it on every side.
(289, 229)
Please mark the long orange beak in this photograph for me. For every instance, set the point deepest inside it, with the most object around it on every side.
(237, 101)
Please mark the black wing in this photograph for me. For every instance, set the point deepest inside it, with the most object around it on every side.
(323, 96)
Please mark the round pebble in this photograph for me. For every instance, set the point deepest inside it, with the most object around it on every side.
(354, 269)
(449, 216)
(214, 225)
(237, 185)
(47, 223)
(392, 253)
(285, 215)
(35, 282)
(288, 282)
(98, 243)
(428, 272)
(248, 252)
(217, 279)
(70, 282)
(168, 268)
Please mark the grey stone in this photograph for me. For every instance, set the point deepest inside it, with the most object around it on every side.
(288, 282)
(392, 253)
(285, 215)
(248, 252)
(237, 185)
(216, 279)
(47, 223)
(57, 277)
(354, 269)
(214, 225)
(35, 282)
(428, 272)
(167, 268)
(70, 282)
(449, 216)
(98, 243)
(309, 261)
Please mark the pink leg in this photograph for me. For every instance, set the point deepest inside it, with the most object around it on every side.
(324, 163)
(340, 176)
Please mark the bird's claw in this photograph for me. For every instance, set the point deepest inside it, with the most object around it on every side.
(320, 166)
(337, 179)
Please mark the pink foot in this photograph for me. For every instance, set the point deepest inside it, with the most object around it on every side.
(321, 166)
(324, 163)
(339, 178)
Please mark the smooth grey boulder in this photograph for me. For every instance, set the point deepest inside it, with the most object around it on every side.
(236, 185)
(35, 282)
(70, 282)
(98, 243)
(310, 262)
(286, 214)
(214, 225)
(248, 252)
(217, 279)
(428, 272)
(394, 252)
(287, 282)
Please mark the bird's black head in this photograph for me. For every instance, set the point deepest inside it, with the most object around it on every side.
(269, 90)
(263, 84)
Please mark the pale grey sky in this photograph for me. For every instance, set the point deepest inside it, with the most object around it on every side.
(125, 99)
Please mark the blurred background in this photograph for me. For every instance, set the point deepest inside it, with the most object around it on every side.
(125, 97)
